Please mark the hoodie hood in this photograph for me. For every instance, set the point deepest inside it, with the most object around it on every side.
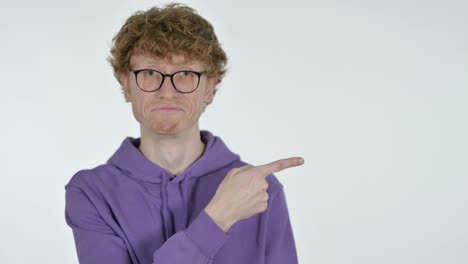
(129, 159)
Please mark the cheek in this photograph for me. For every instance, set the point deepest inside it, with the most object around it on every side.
(137, 111)
(140, 108)
(196, 105)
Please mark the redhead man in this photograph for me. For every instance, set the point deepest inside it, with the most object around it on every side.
(176, 194)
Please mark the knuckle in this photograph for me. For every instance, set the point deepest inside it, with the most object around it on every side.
(256, 171)
(257, 174)
(278, 166)
(264, 183)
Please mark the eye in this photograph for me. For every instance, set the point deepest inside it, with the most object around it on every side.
(151, 72)
(186, 73)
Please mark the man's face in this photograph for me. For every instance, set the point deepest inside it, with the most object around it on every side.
(166, 111)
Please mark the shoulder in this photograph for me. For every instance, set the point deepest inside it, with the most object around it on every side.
(95, 178)
(93, 191)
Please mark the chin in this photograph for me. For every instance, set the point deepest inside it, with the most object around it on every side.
(165, 129)
(167, 126)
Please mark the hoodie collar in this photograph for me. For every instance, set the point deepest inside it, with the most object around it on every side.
(129, 159)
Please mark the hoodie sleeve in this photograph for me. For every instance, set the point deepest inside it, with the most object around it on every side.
(197, 244)
(280, 246)
(97, 243)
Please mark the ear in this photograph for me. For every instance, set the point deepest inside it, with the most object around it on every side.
(124, 81)
(210, 90)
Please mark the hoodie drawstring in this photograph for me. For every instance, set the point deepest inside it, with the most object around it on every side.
(166, 220)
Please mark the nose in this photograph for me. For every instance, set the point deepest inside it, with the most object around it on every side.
(167, 89)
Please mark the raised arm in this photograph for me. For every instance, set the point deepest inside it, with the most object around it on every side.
(241, 194)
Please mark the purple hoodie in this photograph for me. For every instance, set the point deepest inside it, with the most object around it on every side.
(131, 210)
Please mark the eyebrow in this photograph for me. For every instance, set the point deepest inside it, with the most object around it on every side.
(177, 65)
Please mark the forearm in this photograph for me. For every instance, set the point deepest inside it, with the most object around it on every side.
(198, 244)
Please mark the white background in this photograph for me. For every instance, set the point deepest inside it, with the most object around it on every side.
(373, 94)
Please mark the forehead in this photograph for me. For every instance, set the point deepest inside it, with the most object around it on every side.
(175, 59)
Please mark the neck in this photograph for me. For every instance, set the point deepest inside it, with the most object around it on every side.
(175, 153)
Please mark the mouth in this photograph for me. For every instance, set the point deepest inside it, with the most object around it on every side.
(166, 108)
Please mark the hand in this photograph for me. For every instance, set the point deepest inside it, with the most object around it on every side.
(243, 192)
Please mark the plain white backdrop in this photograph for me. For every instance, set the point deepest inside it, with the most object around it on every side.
(373, 95)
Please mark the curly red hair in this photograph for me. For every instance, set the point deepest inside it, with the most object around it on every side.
(162, 32)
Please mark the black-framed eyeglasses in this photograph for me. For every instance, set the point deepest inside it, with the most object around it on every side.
(184, 81)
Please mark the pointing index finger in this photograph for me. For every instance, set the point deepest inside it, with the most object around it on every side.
(280, 165)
